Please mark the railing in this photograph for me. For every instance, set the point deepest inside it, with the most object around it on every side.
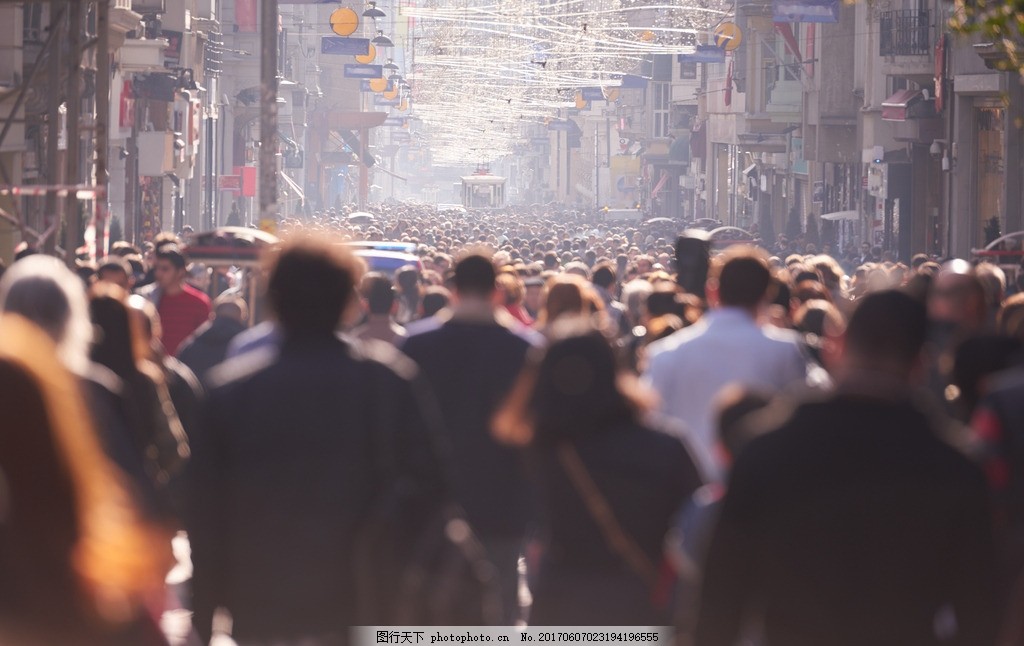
(904, 33)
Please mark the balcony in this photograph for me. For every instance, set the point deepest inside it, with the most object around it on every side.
(904, 33)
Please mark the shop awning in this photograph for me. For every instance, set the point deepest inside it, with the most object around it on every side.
(841, 215)
(907, 104)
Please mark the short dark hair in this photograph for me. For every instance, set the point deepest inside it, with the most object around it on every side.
(172, 253)
(743, 277)
(435, 299)
(475, 274)
(310, 286)
(887, 325)
(604, 275)
(379, 293)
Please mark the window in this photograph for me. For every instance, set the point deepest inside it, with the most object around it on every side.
(687, 71)
(661, 99)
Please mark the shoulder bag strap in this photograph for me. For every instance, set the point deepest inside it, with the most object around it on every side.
(614, 535)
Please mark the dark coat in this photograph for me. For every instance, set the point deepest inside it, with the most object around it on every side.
(208, 345)
(645, 476)
(283, 476)
(471, 365)
(852, 523)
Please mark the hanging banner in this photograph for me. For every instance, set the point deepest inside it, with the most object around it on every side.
(592, 94)
(805, 10)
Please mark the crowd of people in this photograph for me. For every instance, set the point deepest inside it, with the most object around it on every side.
(546, 420)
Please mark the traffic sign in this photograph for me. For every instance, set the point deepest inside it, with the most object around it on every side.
(728, 36)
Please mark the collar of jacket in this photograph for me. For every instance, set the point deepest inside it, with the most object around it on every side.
(477, 313)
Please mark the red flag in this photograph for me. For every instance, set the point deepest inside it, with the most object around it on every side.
(728, 85)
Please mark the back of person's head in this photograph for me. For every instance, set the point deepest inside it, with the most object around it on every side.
(887, 328)
(165, 238)
(310, 286)
(475, 276)
(742, 277)
(115, 345)
(44, 291)
(993, 279)
(408, 279)
(231, 307)
(435, 299)
(1010, 318)
(511, 287)
(604, 275)
(378, 292)
(568, 391)
(565, 297)
(917, 260)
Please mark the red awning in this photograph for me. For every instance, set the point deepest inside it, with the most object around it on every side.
(897, 107)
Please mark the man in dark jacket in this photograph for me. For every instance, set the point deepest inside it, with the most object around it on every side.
(208, 345)
(471, 356)
(284, 471)
(852, 522)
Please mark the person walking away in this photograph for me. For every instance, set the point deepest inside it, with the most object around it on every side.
(471, 357)
(609, 484)
(285, 467)
(208, 345)
(728, 345)
(852, 522)
(378, 300)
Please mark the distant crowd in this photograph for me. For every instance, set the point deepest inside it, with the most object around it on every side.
(546, 418)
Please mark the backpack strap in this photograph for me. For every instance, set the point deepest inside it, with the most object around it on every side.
(617, 539)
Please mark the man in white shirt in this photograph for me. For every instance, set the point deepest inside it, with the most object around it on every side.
(728, 345)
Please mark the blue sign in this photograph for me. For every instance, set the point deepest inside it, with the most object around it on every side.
(704, 54)
(592, 94)
(380, 100)
(805, 10)
(345, 46)
(394, 121)
(353, 71)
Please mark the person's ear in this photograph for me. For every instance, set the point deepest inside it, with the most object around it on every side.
(711, 291)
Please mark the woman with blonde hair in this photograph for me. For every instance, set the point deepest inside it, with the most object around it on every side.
(78, 565)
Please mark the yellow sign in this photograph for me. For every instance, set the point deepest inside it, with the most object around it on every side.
(344, 21)
(728, 36)
(611, 94)
(390, 95)
(581, 103)
(402, 107)
(378, 85)
(370, 56)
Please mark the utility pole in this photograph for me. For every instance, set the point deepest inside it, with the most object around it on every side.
(268, 115)
(102, 116)
(51, 206)
(73, 218)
